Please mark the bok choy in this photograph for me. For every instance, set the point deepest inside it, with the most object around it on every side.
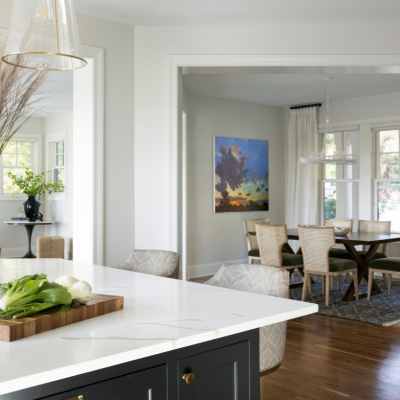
(31, 294)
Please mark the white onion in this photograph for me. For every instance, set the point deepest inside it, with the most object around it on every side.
(81, 291)
(67, 281)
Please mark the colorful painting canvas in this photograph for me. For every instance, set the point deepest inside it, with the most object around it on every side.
(241, 168)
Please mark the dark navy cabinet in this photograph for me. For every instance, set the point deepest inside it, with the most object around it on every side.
(150, 384)
(218, 374)
(222, 369)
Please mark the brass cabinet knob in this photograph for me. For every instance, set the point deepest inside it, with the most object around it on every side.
(80, 397)
(188, 378)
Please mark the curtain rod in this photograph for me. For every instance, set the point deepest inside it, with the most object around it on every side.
(305, 106)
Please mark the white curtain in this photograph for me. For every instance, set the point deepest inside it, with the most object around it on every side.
(302, 180)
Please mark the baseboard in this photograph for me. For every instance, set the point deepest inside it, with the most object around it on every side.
(12, 252)
(201, 270)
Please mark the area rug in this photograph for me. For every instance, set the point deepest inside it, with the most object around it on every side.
(382, 310)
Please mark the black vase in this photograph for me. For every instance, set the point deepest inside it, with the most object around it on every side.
(31, 208)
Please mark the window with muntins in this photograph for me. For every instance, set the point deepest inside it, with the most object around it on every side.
(387, 182)
(339, 187)
(18, 155)
(56, 161)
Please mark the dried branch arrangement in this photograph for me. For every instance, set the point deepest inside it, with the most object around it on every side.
(18, 87)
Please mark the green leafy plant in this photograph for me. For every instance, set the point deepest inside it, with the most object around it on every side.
(33, 184)
(31, 294)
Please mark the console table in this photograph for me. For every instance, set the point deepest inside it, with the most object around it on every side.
(29, 226)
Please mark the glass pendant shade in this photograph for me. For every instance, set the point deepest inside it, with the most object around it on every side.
(43, 34)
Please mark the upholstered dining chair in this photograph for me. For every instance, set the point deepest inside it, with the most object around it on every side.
(316, 243)
(389, 266)
(272, 240)
(264, 280)
(376, 227)
(346, 226)
(50, 247)
(154, 262)
(253, 251)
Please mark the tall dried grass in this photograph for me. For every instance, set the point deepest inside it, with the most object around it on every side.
(18, 87)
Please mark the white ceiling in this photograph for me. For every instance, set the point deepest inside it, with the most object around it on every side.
(289, 86)
(178, 12)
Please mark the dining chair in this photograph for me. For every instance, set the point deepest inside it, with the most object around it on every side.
(264, 280)
(316, 243)
(272, 241)
(154, 262)
(346, 226)
(253, 252)
(389, 267)
(367, 226)
(50, 247)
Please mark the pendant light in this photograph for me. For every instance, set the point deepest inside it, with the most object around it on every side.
(321, 157)
(43, 34)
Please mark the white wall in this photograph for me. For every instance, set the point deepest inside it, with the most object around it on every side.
(217, 238)
(117, 40)
(154, 50)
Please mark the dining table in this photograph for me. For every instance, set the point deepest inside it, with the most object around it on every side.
(369, 243)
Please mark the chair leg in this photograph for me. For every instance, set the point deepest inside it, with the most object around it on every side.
(309, 285)
(389, 283)
(370, 280)
(327, 289)
(355, 280)
(305, 284)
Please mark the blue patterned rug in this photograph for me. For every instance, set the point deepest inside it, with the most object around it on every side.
(382, 310)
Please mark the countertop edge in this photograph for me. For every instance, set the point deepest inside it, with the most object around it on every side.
(33, 380)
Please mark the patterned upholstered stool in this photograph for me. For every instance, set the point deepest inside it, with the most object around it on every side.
(265, 280)
(153, 262)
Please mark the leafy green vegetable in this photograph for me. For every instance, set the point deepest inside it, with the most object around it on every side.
(31, 294)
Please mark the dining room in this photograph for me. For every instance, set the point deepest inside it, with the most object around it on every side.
(291, 187)
(299, 168)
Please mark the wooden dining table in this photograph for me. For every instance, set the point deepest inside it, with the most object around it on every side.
(370, 242)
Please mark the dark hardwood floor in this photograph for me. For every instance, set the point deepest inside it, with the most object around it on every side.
(335, 359)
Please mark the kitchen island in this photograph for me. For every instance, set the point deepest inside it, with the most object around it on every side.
(173, 340)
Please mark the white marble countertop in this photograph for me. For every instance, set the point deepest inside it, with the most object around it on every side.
(160, 315)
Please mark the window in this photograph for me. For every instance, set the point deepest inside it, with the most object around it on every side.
(56, 161)
(340, 182)
(18, 155)
(387, 182)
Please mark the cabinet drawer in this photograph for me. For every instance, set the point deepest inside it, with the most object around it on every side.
(150, 384)
(221, 374)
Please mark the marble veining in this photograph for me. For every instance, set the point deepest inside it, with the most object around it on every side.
(159, 315)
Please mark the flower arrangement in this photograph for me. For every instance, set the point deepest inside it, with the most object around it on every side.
(33, 184)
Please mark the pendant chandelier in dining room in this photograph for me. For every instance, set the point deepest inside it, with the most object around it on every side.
(338, 157)
(43, 35)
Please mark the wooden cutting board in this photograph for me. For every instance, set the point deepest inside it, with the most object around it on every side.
(11, 330)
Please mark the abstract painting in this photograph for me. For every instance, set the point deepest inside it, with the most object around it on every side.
(241, 168)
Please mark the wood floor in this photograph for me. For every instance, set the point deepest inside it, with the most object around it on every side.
(335, 359)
